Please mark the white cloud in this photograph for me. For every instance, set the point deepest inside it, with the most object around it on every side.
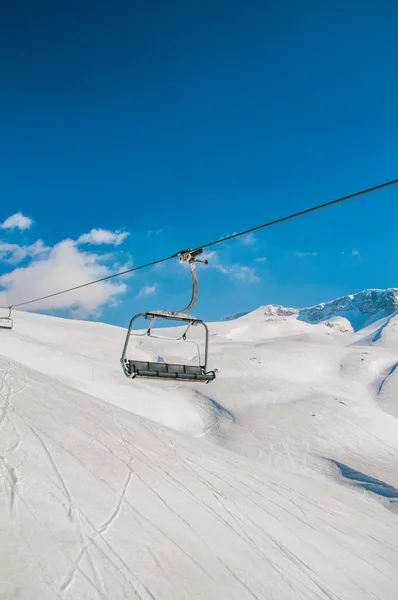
(209, 255)
(242, 273)
(103, 236)
(153, 232)
(147, 291)
(302, 254)
(11, 252)
(355, 252)
(14, 253)
(64, 266)
(245, 274)
(261, 259)
(37, 248)
(17, 221)
(249, 239)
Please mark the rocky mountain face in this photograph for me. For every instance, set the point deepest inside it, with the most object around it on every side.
(360, 309)
(367, 304)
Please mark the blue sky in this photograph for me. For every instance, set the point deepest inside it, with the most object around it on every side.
(181, 122)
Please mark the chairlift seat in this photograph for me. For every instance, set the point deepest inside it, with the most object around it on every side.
(139, 368)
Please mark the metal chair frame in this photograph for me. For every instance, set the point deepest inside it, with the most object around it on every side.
(133, 369)
(6, 322)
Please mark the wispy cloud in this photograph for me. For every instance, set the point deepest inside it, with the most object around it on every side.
(103, 236)
(153, 232)
(147, 291)
(249, 239)
(14, 253)
(242, 273)
(261, 259)
(17, 221)
(210, 255)
(245, 274)
(355, 252)
(303, 254)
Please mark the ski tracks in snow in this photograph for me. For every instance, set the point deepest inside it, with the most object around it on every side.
(114, 506)
(10, 386)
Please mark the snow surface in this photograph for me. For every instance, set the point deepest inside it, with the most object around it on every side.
(278, 480)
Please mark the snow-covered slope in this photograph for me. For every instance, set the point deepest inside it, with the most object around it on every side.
(98, 503)
(259, 490)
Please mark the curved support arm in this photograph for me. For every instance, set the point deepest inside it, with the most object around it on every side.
(194, 296)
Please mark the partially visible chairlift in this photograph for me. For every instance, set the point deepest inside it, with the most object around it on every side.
(163, 370)
(6, 321)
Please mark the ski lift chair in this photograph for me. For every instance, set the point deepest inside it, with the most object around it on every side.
(6, 322)
(162, 370)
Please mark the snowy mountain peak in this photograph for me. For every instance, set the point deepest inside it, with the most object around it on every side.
(274, 310)
(360, 309)
(269, 310)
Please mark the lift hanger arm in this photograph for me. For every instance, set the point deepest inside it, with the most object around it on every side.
(190, 256)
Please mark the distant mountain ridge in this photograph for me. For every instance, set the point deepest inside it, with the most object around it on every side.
(360, 309)
(363, 307)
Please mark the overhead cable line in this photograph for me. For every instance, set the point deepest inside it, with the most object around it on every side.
(301, 213)
(220, 241)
